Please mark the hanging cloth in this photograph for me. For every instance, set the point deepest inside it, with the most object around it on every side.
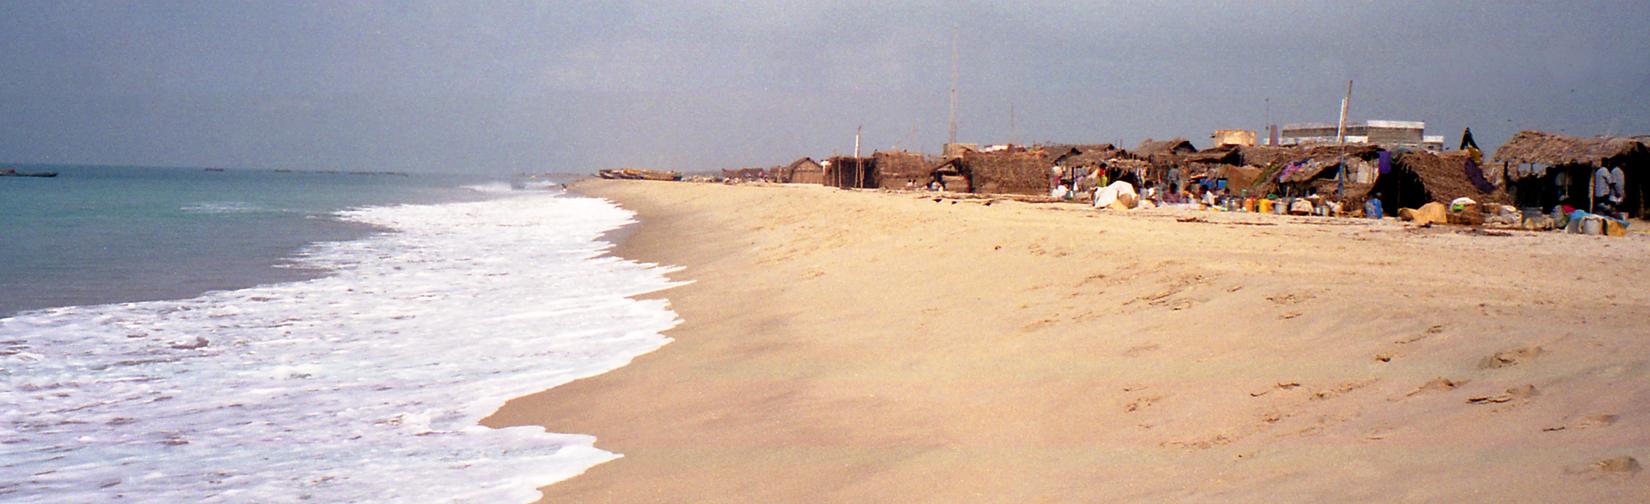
(1476, 176)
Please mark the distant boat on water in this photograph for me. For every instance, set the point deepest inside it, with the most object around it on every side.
(214, 169)
(10, 172)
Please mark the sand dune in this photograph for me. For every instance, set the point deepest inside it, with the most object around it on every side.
(867, 347)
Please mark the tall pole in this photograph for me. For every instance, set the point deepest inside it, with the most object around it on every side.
(856, 139)
(952, 138)
(1340, 128)
(857, 164)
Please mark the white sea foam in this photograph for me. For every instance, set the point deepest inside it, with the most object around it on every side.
(366, 385)
(490, 187)
(222, 207)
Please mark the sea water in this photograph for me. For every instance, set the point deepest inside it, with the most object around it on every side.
(361, 380)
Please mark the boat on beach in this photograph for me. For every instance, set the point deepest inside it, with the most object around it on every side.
(11, 172)
(638, 174)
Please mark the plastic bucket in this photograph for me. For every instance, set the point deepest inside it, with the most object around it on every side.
(1592, 225)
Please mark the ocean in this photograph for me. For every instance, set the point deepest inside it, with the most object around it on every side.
(177, 335)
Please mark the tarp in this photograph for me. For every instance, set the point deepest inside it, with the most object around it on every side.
(1117, 192)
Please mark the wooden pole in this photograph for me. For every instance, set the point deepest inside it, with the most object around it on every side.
(1340, 127)
(857, 165)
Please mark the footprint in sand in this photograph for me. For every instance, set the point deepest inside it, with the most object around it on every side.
(1430, 332)
(1439, 384)
(1621, 467)
(1141, 403)
(1586, 422)
(1291, 298)
(1509, 358)
(1514, 393)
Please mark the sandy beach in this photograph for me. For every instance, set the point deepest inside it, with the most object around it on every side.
(848, 346)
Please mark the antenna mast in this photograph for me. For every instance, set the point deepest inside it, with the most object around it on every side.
(954, 75)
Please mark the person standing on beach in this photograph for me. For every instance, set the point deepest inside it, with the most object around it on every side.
(1601, 189)
(1174, 184)
(1618, 187)
(1561, 187)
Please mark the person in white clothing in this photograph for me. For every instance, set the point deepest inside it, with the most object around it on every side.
(1618, 186)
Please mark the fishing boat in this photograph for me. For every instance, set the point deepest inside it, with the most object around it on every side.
(11, 172)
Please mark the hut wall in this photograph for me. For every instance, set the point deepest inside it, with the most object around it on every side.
(1420, 177)
(1008, 172)
(897, 169)
(851, 172)
(807, 174)
(803, 171)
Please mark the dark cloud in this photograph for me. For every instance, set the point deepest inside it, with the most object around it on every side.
(496, 87)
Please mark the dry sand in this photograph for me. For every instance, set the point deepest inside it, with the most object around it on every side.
(845, 346)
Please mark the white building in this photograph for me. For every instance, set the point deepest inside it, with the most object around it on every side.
(1396, 134)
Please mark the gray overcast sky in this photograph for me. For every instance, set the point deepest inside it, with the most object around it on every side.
(492, 87)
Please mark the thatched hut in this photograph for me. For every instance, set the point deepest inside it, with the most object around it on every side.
(1223, 155)
(1551, 149)
(848, 172)
(1323, 169)
(1546, 169)
(1239, 179)
(1419, 177)
(1161, 152)
(1007, 172)
(1081, 155)
(1268, 155)
(802, 171)
(897, 169)
(953, 175)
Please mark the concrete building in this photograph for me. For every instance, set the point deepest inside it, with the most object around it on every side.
(1234, 137)
(1395, 134)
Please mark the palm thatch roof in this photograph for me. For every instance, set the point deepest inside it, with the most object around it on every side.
(1006, 172)
(1081, 154)
(1163, 151)
(1227, 155)
(803, 171)
(1539, 147)
(1262, 155)
(804, 162)
(1300, 165)
(895, 169)
(1445, 177)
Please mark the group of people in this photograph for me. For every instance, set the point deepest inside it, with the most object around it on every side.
(1609, 189)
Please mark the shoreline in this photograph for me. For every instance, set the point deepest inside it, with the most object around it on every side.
(856, 346)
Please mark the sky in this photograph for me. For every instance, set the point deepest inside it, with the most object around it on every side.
(574, 86)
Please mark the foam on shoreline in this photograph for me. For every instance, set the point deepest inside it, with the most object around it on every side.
(366, 384)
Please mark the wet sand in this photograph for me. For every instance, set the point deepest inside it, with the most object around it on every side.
(847, 346)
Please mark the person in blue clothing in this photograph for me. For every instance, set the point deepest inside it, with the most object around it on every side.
(1372, 207)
